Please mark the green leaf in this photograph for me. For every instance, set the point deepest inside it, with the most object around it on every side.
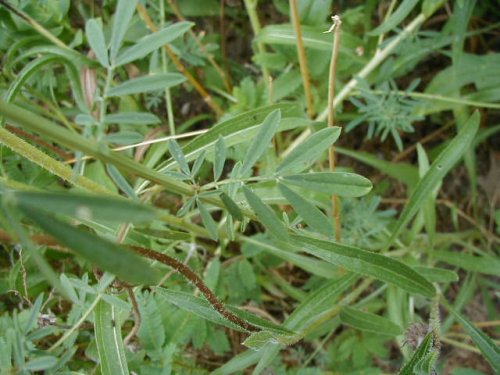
(85, 206)
(422, 354)
(308, 151)
(109, 340)
(310, 213)
(146, 84)
(443, 163)
(484, 264)
(430, 6)
(41, 363)
(365, 321)
(261, 142)
(219, 157)
(152, 42)
(339, 183)
(231, 206)
(120, 181)
(247, 275)
(124, 11)
(203, 309)
(396, 18)
(486, 345)
(178, 156)
(208, 221)
(198, 163)
(367, 263)
(436, 275)
(235, 129)
(134, 118)
(105, 254)
(95, 38)
(266, 215)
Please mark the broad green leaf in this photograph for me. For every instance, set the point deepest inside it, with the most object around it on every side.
(260, 339)
(178, 155)
(247, 274)
(146, 84)
(123, 137)
(124, 11)
(309, 151)
(85, 206)
(219, 157)
(484, 264)
(367, 263)
(266, 215)
(424, 350)
(109, 340)
(436, 275)
(343, 184)
(488, 348)
(313, 217)
(207, 220)
(231, 206)
(443, 163)
(198, 163)
(152, 42)
(365, 321)
(105, 254)
(203, 309)
(133, 118)
(261, 142)
(95, 38)
(396, 18)
(120, 181)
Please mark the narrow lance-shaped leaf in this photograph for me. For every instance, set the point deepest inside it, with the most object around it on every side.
(85, 206)
(231, 206)
(152, 42)
(124, 11)
(103, 253)
(369, 322)
(219, 157)
(208, 221)
(202, 308)
(266, 215)
(146, 84)
(488, 348)
(120, 181)
(310, 213)
(109, 340)
(339, 183)
(309, 150)
(367, 263)
(424, 350)
(178, 156)
(261, 142)
(396, 18)
(134, 118)
(443, 163)
(95, 38)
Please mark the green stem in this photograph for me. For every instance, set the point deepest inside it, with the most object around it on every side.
(251, 7)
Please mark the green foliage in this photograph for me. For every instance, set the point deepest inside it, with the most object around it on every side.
(219, 237)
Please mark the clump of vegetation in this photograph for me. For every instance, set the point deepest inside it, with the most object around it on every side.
(179, 196)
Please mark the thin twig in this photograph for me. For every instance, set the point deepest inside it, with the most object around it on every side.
(331, 116)
(304, 71)
(251, 6)
(180, 67)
